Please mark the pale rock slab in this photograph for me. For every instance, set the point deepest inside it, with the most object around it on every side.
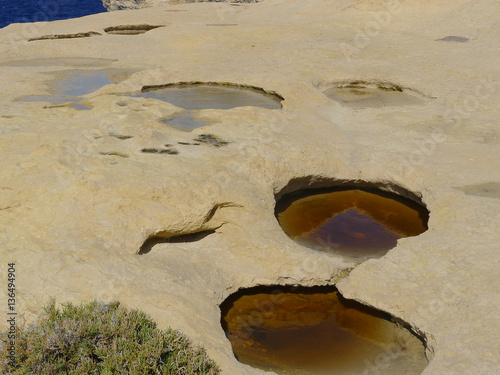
(78, 198)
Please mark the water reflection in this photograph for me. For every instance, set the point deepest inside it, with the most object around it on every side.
(205, 96)
(315, 331)
(353, 222)
(70, 85)
(186, 121)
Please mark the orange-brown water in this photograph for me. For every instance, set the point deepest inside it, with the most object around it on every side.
(316, 331)
(353, 222)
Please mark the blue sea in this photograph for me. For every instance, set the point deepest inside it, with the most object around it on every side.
(46, 10)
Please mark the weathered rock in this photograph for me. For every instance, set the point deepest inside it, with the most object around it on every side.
(78, 198)
(111, 5)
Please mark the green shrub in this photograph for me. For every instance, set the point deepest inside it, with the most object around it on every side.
(100, 338)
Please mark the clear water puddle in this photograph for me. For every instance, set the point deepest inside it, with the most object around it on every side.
(314, 330)
(186, 122)
(83, 82)
(70, 85)
(359, 97)
(54, 100)
(354, 223)
(205, 96)
(194, 97)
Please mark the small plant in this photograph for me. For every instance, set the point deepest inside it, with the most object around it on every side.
(100, 338)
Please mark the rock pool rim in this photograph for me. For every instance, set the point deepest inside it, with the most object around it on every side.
(276, 289)
(382, 85)
(141, 27)
(314, 182)
(184, 84)
(87, 34)
(287, 199)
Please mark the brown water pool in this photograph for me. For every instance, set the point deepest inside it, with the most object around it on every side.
(353, 222)
(298, 330)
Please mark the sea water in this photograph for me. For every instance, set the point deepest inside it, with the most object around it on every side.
(21, 11)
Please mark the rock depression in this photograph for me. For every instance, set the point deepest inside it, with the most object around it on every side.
(100, 199)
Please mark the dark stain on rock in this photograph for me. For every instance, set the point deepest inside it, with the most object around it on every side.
(114, 153)
(211, 139)
(130, 29)
(66, 36)
(167, 151)
(486, 190)
(453, 38)
(121, 137)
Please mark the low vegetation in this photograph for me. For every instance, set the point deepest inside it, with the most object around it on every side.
(101, 338)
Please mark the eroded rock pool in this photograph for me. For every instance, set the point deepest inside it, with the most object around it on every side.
(298, 330)
(68, 86)
(360, 97)
(351, 222)
(212, 96)
(198, 96)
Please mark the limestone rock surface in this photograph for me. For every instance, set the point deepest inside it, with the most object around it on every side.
(81, 204)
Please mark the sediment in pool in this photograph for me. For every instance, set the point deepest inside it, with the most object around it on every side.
(354, 222)
(314, 330)
(361, 95)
